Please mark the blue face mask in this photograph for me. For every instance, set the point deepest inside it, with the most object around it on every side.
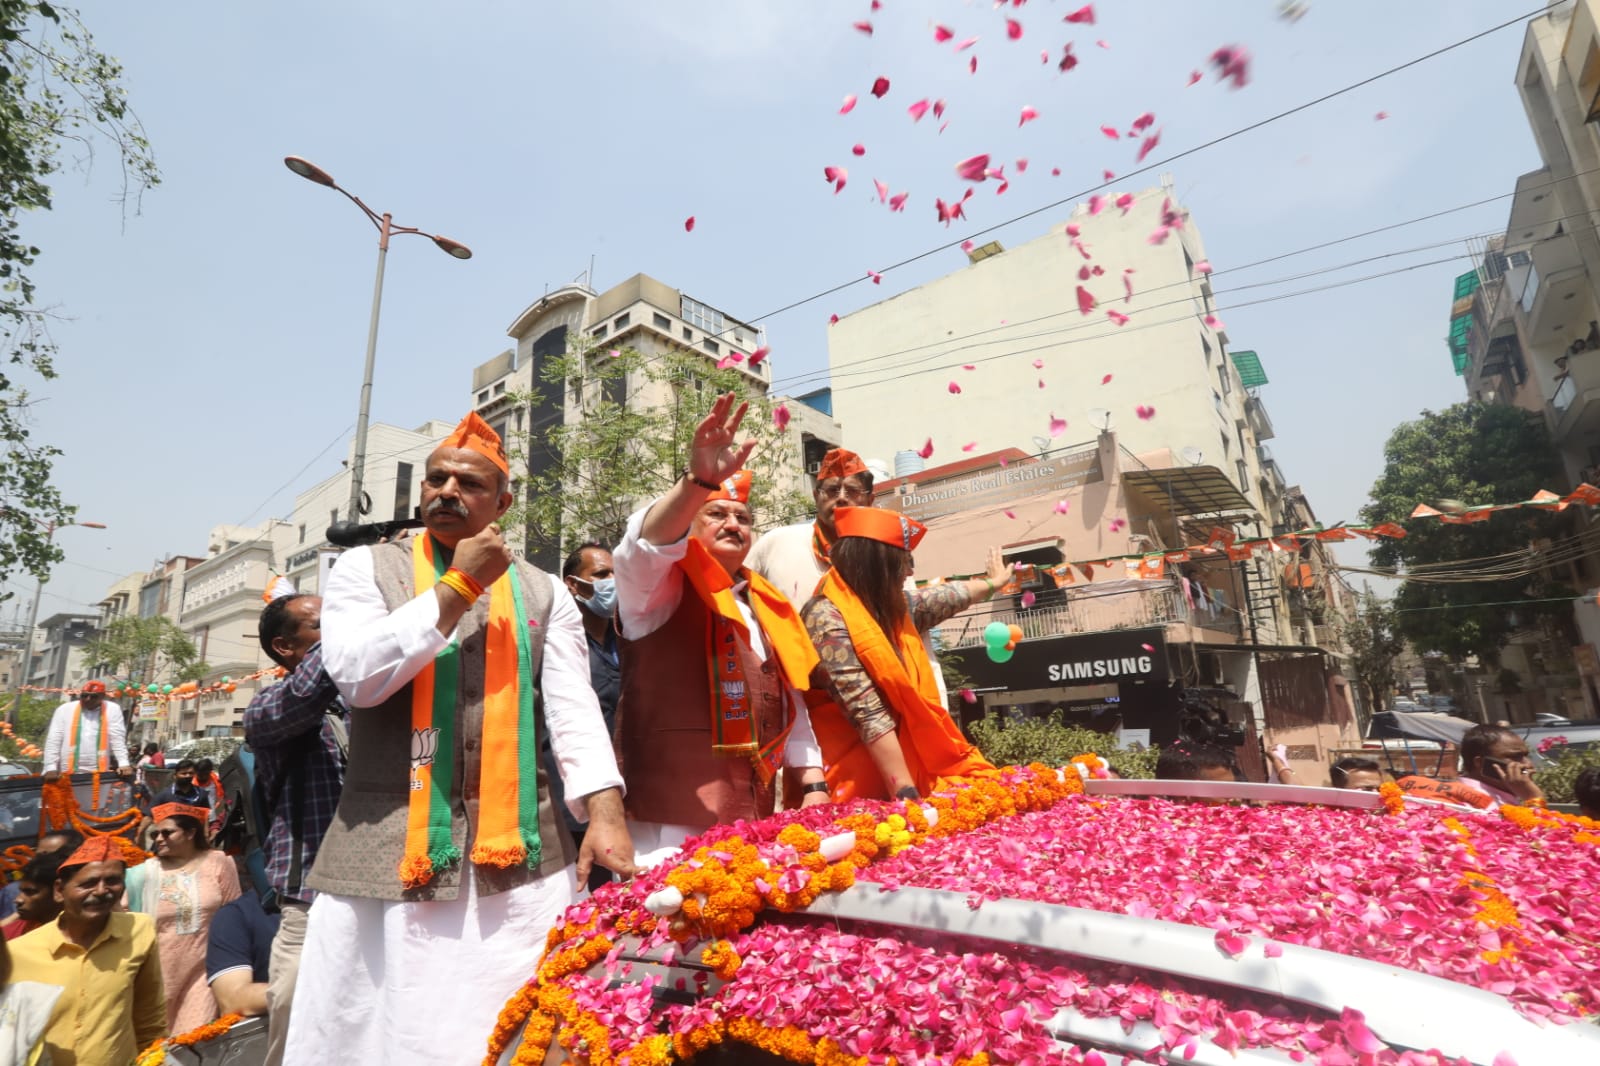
(603, 602)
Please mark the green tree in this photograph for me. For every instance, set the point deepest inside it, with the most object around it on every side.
(1461, 593)
(33, 722)
(1374, 639)
(60, 96)
(623, 437)
(149, 649)
(1007, 742)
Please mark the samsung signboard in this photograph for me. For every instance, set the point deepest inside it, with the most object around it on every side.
(1124, 655)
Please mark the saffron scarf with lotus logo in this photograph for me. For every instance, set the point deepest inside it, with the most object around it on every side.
(508, 784)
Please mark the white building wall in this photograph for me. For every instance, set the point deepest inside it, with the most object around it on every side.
(892, 363)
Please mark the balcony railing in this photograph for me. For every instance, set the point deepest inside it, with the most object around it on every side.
(1150, 603)
(1260, 425)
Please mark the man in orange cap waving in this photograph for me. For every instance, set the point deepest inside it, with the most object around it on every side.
(712, 655)
(794, 558)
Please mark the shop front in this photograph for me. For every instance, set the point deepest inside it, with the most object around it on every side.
(1117, 682)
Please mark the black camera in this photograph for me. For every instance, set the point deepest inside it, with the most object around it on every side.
(1202, 722)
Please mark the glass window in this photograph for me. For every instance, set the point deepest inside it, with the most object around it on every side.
(661, 321)
(599, 331)
(620, 322)
(711, 346)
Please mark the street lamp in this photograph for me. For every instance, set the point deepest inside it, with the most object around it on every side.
(386, 227)
(33, 612)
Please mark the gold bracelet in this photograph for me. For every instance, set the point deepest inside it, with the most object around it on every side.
(455, 581)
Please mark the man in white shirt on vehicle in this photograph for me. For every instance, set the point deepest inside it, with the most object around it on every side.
(86, 734)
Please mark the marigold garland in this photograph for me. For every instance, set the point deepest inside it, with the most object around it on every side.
(1530, 817)
(156, 1053)
(1394, 798)
(724, 886)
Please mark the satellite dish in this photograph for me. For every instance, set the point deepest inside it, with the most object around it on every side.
(1042, 443)
(1100, 416)
(1192, 455)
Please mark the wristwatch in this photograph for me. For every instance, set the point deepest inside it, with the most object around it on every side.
(815, 786)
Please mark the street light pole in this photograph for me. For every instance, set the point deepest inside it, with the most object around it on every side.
(33, 620)
(386, 228)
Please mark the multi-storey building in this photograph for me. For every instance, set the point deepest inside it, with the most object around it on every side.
(59, 643)
(1525, 331)
(1112, 333)
(655, 320)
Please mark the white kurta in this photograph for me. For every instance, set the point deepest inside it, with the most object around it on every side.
(58, 742)
(397, 982)
(650, 588)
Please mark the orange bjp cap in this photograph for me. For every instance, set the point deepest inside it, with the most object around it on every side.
(873, 523)
(841, 464)
(96, 849)
(734, 487)
(474, 434)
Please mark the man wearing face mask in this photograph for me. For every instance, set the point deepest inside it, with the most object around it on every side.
(587, 574)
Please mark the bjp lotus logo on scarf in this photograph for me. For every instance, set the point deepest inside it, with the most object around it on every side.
(424, 745)
(732, 690)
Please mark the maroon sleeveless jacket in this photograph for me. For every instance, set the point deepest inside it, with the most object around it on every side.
(663, 733)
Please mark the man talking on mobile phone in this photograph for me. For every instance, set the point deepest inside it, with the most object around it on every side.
(1495, 761)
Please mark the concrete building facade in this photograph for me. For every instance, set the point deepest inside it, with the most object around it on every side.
(657, 321)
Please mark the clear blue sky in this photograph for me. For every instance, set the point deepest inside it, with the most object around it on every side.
(214, 341)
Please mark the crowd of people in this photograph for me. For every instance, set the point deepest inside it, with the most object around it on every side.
(462, 743)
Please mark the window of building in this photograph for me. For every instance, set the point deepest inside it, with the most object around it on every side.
(707, 318)
(302, 532)
(1206, 346)
(402, 491)
(500, 389)
(1222, 378)
(660, 321)
(1226, 448)
(1216, 402)
(599, 331)
(1188, 263)
(1244, 476)
(688, 334)
(483, 397)
(333, 516)
(615, 390)
(620, 322)
(711, 346)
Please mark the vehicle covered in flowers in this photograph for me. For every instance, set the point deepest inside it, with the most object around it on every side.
(1038, 917)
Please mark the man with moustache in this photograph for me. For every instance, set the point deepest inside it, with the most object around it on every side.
(113, 1001)
(446, 862)
(713, 656)
(86, 735)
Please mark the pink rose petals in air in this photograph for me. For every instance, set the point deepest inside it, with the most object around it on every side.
(938, 110)
(1125, 201)
(880, 86)
(864, 26)
(780, 417)
(1112, 132)
(1058, 426)
(1148, 146)
(926, 451)
(838, 176)
(1086, 300)
(1144, 122)
(1117, 317)
(942, 34)
(1062, 507)
(968, 43)
(1083, 16)
(969, 696)
(1117, 525)
(1029, 113)
(1144, 412)
(955, 390)
(849, 104)
(969, 446)
(883, 190)
(858, 149)
(975, 168)
(1233, 64)
(897, 202)
(1106, 380)
(1204, 266)
(1194, 76)
(1014, 29)
(967, 246)
(759, 356)
(917, 110)
(877, 278)
(1028, 599)
(688, 224)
